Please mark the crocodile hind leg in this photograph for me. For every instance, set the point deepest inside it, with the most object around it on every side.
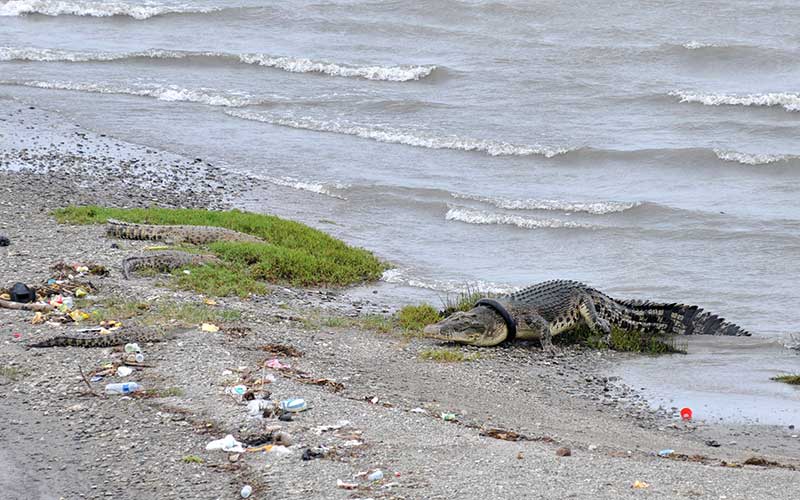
(595, 322)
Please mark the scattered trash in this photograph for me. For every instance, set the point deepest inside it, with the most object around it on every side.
(327, 428)
(376, 476)
(449, 417)
(139, 357)
(77, 315)
(126, 388)
(713, 443)
(209, 302)
(520, 455)
(257, 406)
(247, 490)
(22, 293)
(285, 417)
(278, 451)
(130, 348)
(686, 413)
(418, 410)
(315, 453)
(80, 292)
(228, 444)
(124, 371)
(502, 434)
(38, 319)
(294, 405)
(96, 378)
(346, 486)
(281, 349)
(4, 241)
(640, 485)
(210, 328)
(665, 453)
(275, 364)
(564, 452)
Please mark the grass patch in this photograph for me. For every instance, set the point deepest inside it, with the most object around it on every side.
(192, 459)
(463, 301)
(159, 313)
(12, 373)
(622, 340)
(167, 392)
(447, 355)
(292, 253)
(415, 318)
(787, 379)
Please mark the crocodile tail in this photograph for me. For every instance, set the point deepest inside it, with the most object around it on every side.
(131, 230)
(677, 319)
(81, 341)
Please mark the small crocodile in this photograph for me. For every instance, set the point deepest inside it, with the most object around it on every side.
(196, 235)
(552, 307)
(165, 261)
(113, 338)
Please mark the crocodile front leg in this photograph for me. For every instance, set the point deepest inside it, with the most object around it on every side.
(534, 326)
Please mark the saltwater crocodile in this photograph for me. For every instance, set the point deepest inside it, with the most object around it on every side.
(549, 308)
(196, 235)
(110, 339)
(165, 261)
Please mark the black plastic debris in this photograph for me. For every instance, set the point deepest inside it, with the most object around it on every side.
(21, 292)
(4, 241)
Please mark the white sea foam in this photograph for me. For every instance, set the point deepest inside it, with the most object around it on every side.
(302, 65)
(408, 137)
(404, 277)
(96, 9)
(202, 95)
(590, 207)
(292, 64)
(694, 45)
(313, 187)
(790, 101)
(482, 217)
(752, 158)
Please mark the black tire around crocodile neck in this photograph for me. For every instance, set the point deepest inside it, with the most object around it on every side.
(511, 325)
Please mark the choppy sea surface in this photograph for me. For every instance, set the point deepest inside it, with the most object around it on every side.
(647, 148)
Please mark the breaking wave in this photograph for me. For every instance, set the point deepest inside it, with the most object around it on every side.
(790, 101)
(397, 73)
(203, 95)
(96, 9)
(408, 137)
(695, 45)
(481, 217)
(590, 207)
(312, 187)
(403, 277)
(753, 158)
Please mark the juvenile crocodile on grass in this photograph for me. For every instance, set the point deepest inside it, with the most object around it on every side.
(113, 338)
(195, 235)
(552, 307)
(165, 261)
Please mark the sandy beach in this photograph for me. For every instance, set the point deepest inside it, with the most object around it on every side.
(62, 441)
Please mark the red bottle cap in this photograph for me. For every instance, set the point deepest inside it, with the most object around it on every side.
(686, 413)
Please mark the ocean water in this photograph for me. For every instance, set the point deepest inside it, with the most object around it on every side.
(647, 148)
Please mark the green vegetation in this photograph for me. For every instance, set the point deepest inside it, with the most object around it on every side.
(160, 313)
(622, 340)
(192, 459)
(167, 392)
(291, 253)
(788, 379)
(12, 373)
(415, 318)
(463, 301)
(448, 355)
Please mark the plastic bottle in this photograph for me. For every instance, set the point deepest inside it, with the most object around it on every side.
(125, 388)
(293, 405)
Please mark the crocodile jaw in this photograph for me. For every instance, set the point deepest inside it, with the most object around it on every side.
(478, 327)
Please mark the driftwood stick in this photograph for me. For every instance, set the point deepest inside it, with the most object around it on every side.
(86, 381)
(26, 307)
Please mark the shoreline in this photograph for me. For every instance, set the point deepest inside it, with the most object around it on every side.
(565, 401)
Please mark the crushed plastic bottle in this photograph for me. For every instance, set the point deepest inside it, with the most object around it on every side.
(294, 405)
(126, 388)
(376, 476)
(124, 371)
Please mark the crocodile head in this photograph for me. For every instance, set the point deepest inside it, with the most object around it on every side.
(480, 326)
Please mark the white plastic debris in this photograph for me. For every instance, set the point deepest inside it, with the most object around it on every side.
(228, 444)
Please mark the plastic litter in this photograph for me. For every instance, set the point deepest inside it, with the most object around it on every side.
(247, 490)
(640, 485)
(130, 348)
(208, 327)
(124, 371)
(237, 390)
(126, 388)
(294, 405)
(448, 417)
(376, 476)
(257, 406)
(228, 444)
(418, 410)
(96, 378)
(346, 486)
(139, 357)
(665, 453)
(686, 413)
(275, 364)
(22, 293)
(4, 241)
